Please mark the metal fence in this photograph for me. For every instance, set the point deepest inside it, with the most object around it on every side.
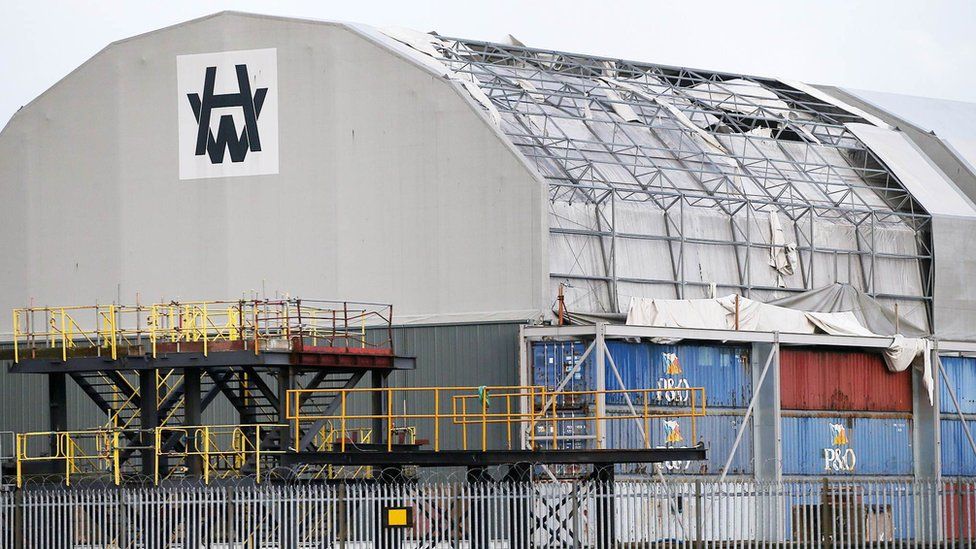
(497, 515)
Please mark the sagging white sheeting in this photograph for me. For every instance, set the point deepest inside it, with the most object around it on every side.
(917, 174)
(720, 314)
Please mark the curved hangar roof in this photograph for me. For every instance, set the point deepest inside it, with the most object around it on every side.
(656, 181)
(674, 182)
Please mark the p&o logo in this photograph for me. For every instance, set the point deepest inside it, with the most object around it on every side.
(840, 457)
(228, 114)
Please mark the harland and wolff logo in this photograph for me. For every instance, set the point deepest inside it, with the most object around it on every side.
(228, 114)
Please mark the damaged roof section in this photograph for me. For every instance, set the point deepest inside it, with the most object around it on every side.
(715, 174)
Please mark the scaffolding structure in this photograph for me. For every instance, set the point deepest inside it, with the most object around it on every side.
(662, 181)
(290, 370)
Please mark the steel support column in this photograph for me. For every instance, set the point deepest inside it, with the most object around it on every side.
(286, 382)
(148, 422)
(766, 432)
(57, 390)
(600, 378)
(192, 415)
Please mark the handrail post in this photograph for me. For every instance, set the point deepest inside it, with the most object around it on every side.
(16, 325)
(647, 422)
(389, 419)
(257, 454)
(205, 329)
(206, 454)
(115, 458)
(115, 335)
(19, 449)
(484, 421)
(156, 443)
(508, 420)
(255, 328)
(64, 348)
(69, 455)
(342, 421)
(437, 419)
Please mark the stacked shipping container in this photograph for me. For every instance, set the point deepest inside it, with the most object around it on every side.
(724, 371)
(844, 414)
(958, 458)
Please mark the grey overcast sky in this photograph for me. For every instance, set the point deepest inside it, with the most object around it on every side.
(922, 47)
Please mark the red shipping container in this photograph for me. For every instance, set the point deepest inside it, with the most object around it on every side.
(958, 511)
(842, 380)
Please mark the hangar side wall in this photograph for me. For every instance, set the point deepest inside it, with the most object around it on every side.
(392, 186)
(954, 294)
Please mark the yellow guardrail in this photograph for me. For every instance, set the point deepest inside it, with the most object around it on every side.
(107, 330)
(76, 452)
(222, 449)
(510, 409)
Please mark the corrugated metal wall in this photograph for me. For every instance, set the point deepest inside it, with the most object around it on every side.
(841, 380)
(848, 446)
(958, 458)
(962, 375)
(723, 370)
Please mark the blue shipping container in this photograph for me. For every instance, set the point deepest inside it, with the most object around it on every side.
(962, 374)
(716, 431)
(958, 459)
(844, 446)
(724, 371)
(553, 361)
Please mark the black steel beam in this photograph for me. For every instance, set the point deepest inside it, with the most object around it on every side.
(272, 359)
(477, 458)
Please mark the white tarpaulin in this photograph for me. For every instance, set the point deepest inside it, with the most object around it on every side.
(720, 314)
(782, 254)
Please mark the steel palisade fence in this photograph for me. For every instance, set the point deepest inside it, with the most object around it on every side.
(498, 515)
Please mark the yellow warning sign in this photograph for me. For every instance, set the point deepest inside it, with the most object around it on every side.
(398, 517)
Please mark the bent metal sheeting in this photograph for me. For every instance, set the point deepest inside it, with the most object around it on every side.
(662, 179)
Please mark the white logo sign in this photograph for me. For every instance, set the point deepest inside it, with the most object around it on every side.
(228, 113)
(839, 458)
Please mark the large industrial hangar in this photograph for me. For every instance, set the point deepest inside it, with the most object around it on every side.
(631, 239)
(484, 187)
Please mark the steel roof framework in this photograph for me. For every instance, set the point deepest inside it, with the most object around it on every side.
(768, 148)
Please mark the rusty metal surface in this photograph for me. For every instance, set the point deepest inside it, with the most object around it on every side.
(842, 381)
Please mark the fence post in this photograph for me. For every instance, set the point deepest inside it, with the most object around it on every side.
(574, 519)
(958, 514)
(605, 506)
(18, 501)
(343, 527)
(826, 516)
(699, 541)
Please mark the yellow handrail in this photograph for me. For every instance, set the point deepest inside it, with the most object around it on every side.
(251, 324)
(100, 449)
(544, 410)
(216, 445)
